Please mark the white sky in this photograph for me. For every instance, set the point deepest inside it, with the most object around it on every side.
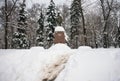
(57, 2)
(29, 2)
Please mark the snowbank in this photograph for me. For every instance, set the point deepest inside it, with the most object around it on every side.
(38, 64)
(92, 65)
(59, 47)
(32, 65)
(84, 48)
(36, 50)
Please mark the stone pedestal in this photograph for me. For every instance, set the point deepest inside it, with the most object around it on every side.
(59, 37)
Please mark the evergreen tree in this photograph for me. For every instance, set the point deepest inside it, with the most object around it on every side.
(20, 40)
(51, 20)
(40, 31)
(75, 13)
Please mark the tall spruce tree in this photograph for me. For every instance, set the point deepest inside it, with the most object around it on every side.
(51, 23)
(40, 31)
(75, 12)
(20, 40)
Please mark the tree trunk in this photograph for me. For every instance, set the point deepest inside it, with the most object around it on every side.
(106, 15)
(7, 14)
(84, 29)
(105, 35)
(94, 36)
(6, 26)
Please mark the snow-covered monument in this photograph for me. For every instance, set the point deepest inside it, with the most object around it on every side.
(60, 35)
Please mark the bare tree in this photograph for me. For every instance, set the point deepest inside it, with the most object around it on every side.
(106, 6)
(7, 13)
(83, 24)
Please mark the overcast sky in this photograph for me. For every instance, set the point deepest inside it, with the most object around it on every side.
(29, 2)
(60, 2)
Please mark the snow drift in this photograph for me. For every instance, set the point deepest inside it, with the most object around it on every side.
(35, 64)
(60, 63)
(92, 65)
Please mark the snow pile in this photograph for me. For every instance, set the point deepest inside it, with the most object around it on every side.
(35, 64)
(13, 65)
(84, 48)
(59, 47)
(60, 63)
(92, 65)
(37, 50)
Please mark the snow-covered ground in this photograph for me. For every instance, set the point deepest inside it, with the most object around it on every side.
(92, 65)
(38, 64)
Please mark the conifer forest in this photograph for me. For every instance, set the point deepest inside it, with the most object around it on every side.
(95, 24)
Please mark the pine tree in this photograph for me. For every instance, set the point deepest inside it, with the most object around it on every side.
(75, 13)
(20, 40)
(40, 31)
(51, 20)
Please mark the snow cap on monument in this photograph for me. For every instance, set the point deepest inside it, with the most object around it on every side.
(59, 28)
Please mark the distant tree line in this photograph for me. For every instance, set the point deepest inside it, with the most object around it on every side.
(22, 28)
